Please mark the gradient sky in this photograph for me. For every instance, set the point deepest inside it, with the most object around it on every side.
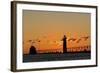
(46, 29)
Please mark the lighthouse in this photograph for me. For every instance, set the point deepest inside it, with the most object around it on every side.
(64, 44)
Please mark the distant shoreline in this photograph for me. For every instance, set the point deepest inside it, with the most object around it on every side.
(62, 52)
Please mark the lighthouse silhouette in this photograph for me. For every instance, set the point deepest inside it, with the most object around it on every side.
(64, 44)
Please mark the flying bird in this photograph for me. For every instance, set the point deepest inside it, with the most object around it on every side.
(38, 40)
(72, 39)
(29, 40)
(33, 42)
(78, 40)
(85, 38)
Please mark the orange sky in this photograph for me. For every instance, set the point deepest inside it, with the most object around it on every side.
(46, 29)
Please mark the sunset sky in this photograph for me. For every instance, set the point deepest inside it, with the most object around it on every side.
(45, 30)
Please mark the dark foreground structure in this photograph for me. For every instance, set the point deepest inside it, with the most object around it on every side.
(32, 50)
(64, 44)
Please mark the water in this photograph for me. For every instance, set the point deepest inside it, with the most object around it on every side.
(56, 57)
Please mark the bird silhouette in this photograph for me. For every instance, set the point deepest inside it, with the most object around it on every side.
(72, 39)
(78, 40)
(85, 38)
(29, 40)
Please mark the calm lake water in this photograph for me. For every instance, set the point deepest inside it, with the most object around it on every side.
(56, 57)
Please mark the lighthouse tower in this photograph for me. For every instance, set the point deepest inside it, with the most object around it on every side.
(64, 44)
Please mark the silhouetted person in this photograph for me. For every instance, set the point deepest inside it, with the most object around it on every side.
(64, 44)
(32, 50)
